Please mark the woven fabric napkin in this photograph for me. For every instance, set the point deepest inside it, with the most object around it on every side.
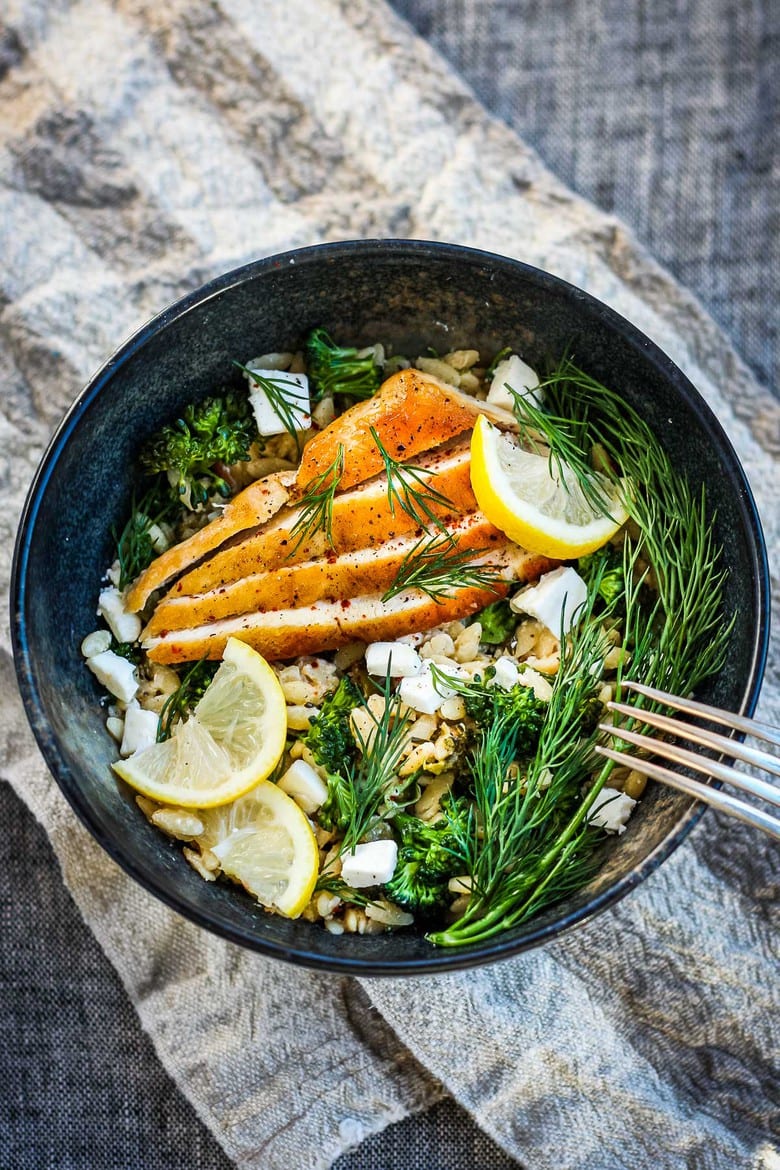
(145, 148)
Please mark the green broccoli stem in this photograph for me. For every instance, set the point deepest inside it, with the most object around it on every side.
(478, 924)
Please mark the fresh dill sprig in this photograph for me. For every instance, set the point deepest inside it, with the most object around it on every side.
(521, 806)
(183, 700)
(316, 503)
(436, 566)
(135, 550)
(530, 843)
(410, 488)
(372, 776)
(563, 440)
(285, 405)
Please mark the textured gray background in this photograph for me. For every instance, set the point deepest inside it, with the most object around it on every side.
(663, 113)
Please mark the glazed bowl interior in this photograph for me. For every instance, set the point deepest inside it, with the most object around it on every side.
(409, 295)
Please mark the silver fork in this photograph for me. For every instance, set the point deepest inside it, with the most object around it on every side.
(763, 789)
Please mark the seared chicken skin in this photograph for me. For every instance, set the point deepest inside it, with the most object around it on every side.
(286, 591)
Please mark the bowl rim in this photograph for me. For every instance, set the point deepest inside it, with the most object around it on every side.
(439, 960)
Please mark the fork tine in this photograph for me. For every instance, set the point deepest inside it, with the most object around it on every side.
(671, 751)
(700, 735)
(722, 801)
(741, 723)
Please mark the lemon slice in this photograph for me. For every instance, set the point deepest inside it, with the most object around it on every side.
(544, 513)
(233, 739)
(264, 841)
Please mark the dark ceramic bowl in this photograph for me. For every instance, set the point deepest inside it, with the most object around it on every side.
(411, 294)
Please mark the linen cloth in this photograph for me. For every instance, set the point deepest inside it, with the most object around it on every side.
(646, 1035)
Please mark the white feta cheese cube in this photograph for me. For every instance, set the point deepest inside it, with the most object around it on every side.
(611, 809)
(506, 675)
(96, 643)
(370, 864)
(115, 673)
(305, 785)
(125, 626)
(420, 694)
(140, 730)
(554, 600)
(424, 694)
(293, 388)
(514, 372)
(392, 658)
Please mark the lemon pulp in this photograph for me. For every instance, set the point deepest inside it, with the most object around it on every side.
(543, 511)
(233, 739)
(264, 841)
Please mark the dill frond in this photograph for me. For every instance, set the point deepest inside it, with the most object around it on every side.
(286, 406)
(316, 504)
(436, 566)
(410, 488)
(533, 844)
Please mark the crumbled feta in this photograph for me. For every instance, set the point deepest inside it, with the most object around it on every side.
(554, 600)
(115, 673)
(140, 730)
(125, 626)
(424, 694)
(611, 809)
(96, 643)
(514, 372)
(415, 639)
(392, 658)
(305, 785)
(370, 864)
(506, 675)
(294, 388)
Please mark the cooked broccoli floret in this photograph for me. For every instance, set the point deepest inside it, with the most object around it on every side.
(591, 714)
(332, 744)
(216, 431)
(329, 737)
(498, 623)
(518, 705)
(606, 566)
(334, 369)
(129, 650)
(428, 856)
(338, 807)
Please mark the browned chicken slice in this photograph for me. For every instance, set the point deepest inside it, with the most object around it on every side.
(327, 625)
(361, 518)
(366, 570)
(250, 508)
(412, 412)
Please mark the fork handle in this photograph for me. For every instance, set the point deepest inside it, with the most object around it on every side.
(722, 801)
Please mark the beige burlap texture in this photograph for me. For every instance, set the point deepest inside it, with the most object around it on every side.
(146, 148)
